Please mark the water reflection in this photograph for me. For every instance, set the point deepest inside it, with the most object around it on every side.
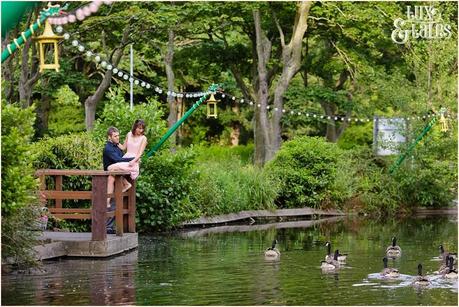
(76, 282)
(216, 267)
(245, 228)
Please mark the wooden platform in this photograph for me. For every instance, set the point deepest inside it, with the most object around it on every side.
(437, 211)
(79, 244)
(254, 214)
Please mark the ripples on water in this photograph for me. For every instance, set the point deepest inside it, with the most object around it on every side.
(216, 267)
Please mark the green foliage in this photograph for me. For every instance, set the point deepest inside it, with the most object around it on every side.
(222, 153)
(429, 177)
(19, 236)
(357, 135)
(163, 189)
(18, 183)
(117, 113)
(67, 114)
(306, 168)
(229, 186)
(429, 183)
(345, 184)
(76, 151)
(174, 188)
(374, 190)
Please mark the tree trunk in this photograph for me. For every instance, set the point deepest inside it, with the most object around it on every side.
(29, 74)
(43, 115)
(333, 130)
(180, 111)
(235, 133)
(291, 61)
(168, 61)
(330, 110)
(91, 102)
(262, 129)
(235, 128)
(8, 71)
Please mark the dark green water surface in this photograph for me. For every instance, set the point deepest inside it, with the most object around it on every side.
(226, 266)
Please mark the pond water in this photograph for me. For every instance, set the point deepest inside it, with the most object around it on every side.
(226, 266)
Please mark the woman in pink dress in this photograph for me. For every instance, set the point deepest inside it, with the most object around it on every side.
(134, 144)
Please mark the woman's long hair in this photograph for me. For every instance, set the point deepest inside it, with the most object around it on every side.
(138, 123)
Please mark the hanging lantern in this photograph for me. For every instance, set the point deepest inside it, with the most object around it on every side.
(48, 39)
(443, 121)
(212, 107)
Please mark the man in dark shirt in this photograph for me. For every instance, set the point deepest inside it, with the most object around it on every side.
(112, 154)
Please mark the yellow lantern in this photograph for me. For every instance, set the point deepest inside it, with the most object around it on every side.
(443, 121)
(48, 38)
(212, 107)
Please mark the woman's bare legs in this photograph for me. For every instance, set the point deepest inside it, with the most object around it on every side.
(126, 185)
(120, 167)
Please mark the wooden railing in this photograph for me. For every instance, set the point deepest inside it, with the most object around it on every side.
(98, 213)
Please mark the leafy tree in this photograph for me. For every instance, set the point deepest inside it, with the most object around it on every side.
(118, 113)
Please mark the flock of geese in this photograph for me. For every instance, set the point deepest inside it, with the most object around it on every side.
(334, 261)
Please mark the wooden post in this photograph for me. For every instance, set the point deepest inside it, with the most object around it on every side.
(119, 205)
(43, 199)
(131, 207)
(99, 208)
(58, 188)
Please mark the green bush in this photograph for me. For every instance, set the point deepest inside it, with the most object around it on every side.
(357, 135)
(18, 185)
(19, 236)
(229, 186)
(306, 169)
(376, 192)
(346, 182)
(18, 182)
(118, 113)
(76, 151)
(163, 189)
(429, 177)
(66, 114)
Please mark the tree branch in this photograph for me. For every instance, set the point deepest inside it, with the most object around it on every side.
(281, 33)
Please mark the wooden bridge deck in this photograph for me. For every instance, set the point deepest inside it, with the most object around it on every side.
(80, 244)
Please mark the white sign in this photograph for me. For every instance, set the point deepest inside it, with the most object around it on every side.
(388, 135)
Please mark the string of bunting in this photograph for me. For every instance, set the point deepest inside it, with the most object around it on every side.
(122, 75)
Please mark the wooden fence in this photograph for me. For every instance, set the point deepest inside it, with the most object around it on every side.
(98, 213)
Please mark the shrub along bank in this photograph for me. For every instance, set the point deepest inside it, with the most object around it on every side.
(19, 209)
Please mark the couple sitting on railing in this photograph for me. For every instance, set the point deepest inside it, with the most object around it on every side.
(114, 160)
